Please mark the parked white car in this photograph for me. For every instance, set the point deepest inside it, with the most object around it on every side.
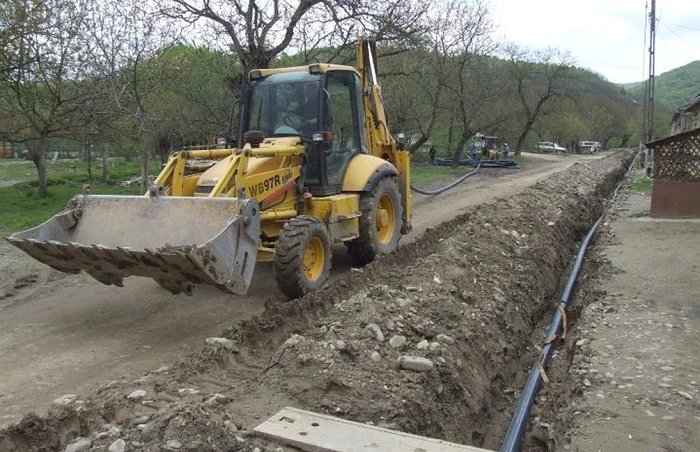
(549, 146)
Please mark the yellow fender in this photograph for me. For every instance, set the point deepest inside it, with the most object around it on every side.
(364, 171)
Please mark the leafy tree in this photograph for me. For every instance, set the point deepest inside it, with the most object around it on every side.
(197, 101)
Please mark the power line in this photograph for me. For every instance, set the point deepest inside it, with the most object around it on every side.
(679, 36)
(683, 26)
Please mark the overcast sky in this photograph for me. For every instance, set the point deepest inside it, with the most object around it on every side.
(606, 36)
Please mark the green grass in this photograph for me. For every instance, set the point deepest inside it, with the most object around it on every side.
(20, 205)
(425, 173)
(73, 170)
(640, 213)
(642, 185)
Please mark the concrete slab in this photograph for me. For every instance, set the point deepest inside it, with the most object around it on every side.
(313, 432)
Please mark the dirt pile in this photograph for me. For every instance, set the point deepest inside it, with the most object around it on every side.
(459, 306)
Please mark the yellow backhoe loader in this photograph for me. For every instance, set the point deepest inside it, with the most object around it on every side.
(318, 166)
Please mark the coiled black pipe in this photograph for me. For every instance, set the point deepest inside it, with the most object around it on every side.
(446, 187)
(514, 435)
(510, 164)
(501, 163)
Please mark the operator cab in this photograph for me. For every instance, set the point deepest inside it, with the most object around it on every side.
(309, 102)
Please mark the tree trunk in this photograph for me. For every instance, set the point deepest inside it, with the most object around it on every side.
(144, 171)
(105, 163)
(625, 139)
(458, 151)
(449, 133)
(165, 148)
(36, 153)
(40, 163)
(415, 146)
(88, 154)
(523, 136)
(236, 135)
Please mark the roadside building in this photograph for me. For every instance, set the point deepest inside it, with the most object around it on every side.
(686, 117)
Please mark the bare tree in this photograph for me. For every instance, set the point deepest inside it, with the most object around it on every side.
(128, 37)
(413, 94)
(45, 85)
(444, 74)
(538, 77)
(472, 88)
(259, 30)
(18, 20)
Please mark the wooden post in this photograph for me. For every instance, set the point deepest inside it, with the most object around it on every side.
(144, 171)
(88, 152)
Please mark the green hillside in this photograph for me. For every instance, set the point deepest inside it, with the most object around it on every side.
(673, 88)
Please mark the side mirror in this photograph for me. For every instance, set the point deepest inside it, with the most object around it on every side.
(325, 137)
(323, 140)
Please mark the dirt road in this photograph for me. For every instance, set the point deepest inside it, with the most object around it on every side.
(69, 334)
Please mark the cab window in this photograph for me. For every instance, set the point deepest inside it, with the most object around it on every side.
(342, 120)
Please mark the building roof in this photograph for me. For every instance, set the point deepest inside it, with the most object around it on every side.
(692, 107)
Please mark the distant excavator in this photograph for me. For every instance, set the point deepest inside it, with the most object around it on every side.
(319, 166)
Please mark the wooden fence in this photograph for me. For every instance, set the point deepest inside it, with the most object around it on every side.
(677, 157)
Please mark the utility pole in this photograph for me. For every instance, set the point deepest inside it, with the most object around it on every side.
(649, 92)
(645, 82)
(650, 82)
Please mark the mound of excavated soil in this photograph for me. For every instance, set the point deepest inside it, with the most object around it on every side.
(466, 297)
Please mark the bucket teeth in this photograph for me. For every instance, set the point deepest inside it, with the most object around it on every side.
(176, 268)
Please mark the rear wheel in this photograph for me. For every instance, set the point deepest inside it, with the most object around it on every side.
(380, 223)
(302, 259)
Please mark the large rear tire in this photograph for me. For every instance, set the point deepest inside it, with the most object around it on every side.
(380, 223)
(302, 259)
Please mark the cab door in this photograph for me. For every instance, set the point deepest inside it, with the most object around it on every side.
(344, 119)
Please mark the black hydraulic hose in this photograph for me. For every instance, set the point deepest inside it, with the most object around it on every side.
(514, 435)
(446, 187)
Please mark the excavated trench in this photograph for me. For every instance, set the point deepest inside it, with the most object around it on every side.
(468, 295)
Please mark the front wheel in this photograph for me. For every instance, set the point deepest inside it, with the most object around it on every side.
(380, 223)
(302, 259)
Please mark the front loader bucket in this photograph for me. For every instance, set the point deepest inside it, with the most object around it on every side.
(177, 241)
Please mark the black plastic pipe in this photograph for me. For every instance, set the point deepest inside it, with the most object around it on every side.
(446, 187)
(514, 436)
